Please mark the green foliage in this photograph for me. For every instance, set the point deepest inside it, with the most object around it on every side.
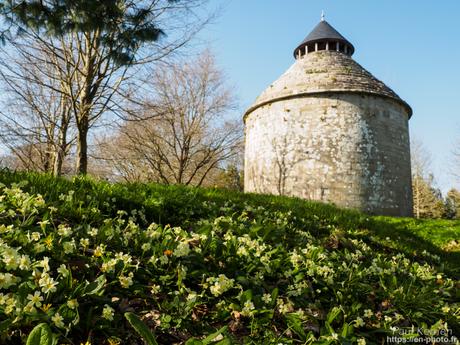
(453, 204)
(141, 328)
(41, 335)
(125, 25)
(210, 266)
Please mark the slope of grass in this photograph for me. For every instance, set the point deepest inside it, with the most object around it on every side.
(188, 261)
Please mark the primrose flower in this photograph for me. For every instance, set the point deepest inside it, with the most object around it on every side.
(146, 246)
(47, 283)
(155, 289)
(368, 313)
(388, 318)
(84, 242)
(220, 284)
(283, 307)
(183, 249)
(62, 270)
(36, 299)
(109, 265)
(192, 296)
(445, 309)
(72, 303)
(11, 258)
(45, 264)
(10, 305)
(108, 312)
(98, 251)
(92, 232)
(64, 230)
(58, 320)
(126, 281)
(361, 341)
(35, 236)
(6, 280)
(69, 247)
(43, 224)
(247, 308)
(126, 258)
(46, 307)
(267, 298)
(24, 262)
(359, 322)
(29, 308)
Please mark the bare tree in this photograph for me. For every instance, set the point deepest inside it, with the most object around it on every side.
(182, 133)
(36, 119)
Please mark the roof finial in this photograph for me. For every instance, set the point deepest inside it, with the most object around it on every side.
(322, 15)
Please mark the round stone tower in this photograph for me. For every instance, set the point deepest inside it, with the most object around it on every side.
(328, 130)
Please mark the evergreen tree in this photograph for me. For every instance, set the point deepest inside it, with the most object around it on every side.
(453, 204)
(124, 25)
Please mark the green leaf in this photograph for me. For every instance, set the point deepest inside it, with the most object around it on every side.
(294, 323)
(225, 341)
(141, 328)
(96, 287)
(5, 324)
(209, 339)
(213, 336)
(274, 296)
(332, 315)
(40, 335)
(347, 330)
(246, 296)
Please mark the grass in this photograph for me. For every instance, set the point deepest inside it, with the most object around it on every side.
(391, 265)
(176, 205)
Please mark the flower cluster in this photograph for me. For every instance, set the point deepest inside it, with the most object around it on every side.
(263, 273)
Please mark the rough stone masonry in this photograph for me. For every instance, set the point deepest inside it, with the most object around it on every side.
(328, 130)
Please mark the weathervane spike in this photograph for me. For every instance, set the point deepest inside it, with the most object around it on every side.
(322, 15)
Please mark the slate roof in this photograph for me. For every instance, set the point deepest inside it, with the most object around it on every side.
(324, 32)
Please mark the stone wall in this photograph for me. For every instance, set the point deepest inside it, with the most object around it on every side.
(351, 149)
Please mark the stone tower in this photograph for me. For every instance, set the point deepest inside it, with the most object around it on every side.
(328, 130)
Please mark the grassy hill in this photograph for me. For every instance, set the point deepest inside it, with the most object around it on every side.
(208, 266)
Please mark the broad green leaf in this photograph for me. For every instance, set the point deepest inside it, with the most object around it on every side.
(5, 324)
(332, 315)
(246, 296)
(225, 341)
(96, 287)
(347, 330)
(141, 328)
(40, 335)
(295, 323)
(213, 336)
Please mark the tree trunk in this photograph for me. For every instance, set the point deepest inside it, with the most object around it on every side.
(61, 150)
(82, 150)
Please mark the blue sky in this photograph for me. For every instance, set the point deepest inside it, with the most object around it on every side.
(412, 46)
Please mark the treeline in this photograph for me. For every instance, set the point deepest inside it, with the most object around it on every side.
(112, 89)
(428, 200)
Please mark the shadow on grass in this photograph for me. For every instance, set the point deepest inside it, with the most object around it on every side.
(181, 205)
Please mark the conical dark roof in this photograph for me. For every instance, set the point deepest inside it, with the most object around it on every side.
(324, 32)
